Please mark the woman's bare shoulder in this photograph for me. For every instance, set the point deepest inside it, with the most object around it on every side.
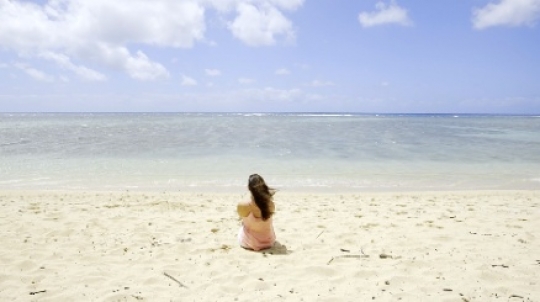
(243, 208)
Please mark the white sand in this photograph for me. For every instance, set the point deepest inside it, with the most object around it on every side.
(443, 246)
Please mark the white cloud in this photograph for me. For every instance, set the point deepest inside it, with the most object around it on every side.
(99, 30)
(65, 62)
(282, 71)
(103, 33)
(385, 14)
(34, 73)
(163, 23)
(507, 13)
(318, 83)
(287, 4)
(257, 26)
(273, 94)
(212, 72)
(187, 81)
(246, 81)
(137, 66)
(141, 68)
(228, 5)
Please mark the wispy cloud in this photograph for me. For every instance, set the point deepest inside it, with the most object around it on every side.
(188, 81)
(212, 72)
(385, 14)
(282, 71)
(34, 73)
(273, 94)
(246, 81)
(507, 13)
(65, 62)
(319, 83)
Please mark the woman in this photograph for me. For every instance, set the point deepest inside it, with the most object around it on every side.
(257, 231)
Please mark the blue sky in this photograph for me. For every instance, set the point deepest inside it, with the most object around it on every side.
(476, 56)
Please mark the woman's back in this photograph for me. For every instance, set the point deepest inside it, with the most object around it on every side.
(256, 234)
(257, 224)
(257, 231)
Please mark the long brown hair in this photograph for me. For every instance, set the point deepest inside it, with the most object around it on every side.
(262, 195)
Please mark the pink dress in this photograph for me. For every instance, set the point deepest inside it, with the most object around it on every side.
(256, 234)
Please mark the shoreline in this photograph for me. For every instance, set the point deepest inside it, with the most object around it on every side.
(279, 190)
(162, 245)
(376, 184)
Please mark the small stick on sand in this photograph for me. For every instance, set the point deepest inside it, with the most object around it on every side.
(38, 292)
(319, 234)
(346, 256)
(174, 279)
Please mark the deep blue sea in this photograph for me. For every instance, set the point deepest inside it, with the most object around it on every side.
(292, 151)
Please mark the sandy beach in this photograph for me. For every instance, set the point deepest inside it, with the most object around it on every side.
(167, 246)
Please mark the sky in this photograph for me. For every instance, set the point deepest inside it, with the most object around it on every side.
(389, 56)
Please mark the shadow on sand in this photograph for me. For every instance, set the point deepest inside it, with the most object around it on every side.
(277, 249)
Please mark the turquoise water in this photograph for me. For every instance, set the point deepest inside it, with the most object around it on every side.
(212, 151)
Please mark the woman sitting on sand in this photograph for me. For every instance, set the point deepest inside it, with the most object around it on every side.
(257, 231)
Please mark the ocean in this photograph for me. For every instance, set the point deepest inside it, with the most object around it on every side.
(292, 151)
